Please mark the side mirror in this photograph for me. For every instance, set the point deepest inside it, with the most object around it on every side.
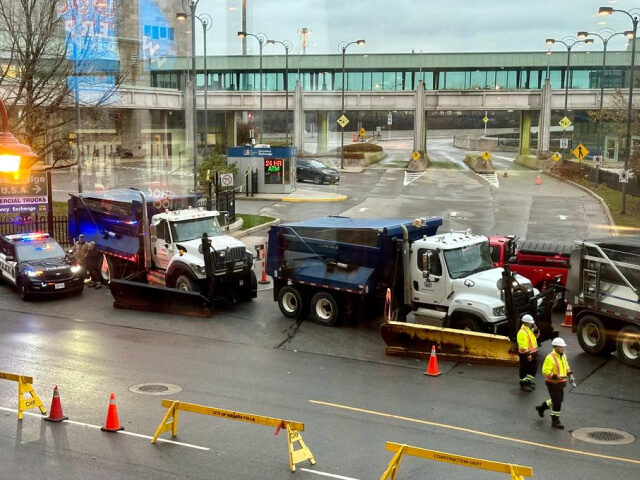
(426, 261)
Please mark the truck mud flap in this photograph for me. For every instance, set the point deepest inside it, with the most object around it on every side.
(154, 298)
(415, 340)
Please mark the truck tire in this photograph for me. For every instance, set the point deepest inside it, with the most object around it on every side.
(249, 289)
(109, 268)
(324, 309)
(592, 336)
(23, 293)
(466, 322)
(628, 346)
(186, 284)
(290, 302)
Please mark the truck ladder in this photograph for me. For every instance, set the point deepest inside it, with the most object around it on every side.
(591, 287)
(612, 265)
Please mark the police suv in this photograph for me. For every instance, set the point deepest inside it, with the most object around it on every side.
(36, 264)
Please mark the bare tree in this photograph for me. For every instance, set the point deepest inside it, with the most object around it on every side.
(39, 65)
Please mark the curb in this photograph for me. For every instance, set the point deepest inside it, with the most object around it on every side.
(605, 207)
(338, 198)
(246, 232)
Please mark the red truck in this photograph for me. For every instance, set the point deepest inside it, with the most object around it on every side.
(539, 261)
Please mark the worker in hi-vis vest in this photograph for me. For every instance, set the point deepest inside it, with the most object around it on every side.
(528, 353)
(556, 371)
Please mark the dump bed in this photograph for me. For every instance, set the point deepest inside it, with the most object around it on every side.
(354, 254)
(113, 219)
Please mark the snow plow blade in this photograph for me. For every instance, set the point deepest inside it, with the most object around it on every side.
(154, 298)
(415, 340)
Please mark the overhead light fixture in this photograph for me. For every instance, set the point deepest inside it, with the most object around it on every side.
(605, 11)
(181, 16)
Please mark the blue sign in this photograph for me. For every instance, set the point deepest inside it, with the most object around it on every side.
(277, 152)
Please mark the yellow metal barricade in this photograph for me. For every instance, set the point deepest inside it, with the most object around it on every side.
(517, 472)
(170, 423)
(24, 386)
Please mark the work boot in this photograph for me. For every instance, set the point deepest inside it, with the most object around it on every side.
(525, 388)
(541, 408)
(555, 422)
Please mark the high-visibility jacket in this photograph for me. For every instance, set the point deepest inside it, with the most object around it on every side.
(556, 364)
(527, 342)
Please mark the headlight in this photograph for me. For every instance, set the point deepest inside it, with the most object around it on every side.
(499, 311)
(75, 268)
(199, 268)
(34, 273)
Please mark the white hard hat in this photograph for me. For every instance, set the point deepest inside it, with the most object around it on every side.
(528, 319)
(558, 342)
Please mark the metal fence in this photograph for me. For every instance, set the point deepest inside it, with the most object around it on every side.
(37, 223)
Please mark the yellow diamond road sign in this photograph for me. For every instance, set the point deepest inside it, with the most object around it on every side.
(485, 119)
(580, 151)
(362, 132)
(486, 156)
(342, 121)
(565, 123)
(415, 155)
(556, 157)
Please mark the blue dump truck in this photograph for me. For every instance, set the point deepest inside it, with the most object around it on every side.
(334, 267)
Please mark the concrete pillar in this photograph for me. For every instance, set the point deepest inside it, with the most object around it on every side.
(298, 118)
(231, 128)
(419, 120)
(322, 120)
(188, 117)
(544, 122)
(525, 132)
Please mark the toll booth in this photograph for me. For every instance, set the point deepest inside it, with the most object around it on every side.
(275, 168)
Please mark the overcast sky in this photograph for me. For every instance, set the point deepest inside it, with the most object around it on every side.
(395, 26)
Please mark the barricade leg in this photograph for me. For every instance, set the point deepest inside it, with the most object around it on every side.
(26, 404)
(514, 475)
(300, 455)
(394, 464)
(166, 425)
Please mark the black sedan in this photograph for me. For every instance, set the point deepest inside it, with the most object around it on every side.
(36, 264)
(316, 172)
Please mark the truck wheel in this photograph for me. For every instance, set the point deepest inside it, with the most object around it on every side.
(467, 323)
(186, 284)
(290, 302)
(592, 336)
(249, 289)
(324, 309)
(109, 268)
(628, 345)
(23, 293)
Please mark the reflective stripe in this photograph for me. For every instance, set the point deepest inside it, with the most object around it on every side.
(532, 344)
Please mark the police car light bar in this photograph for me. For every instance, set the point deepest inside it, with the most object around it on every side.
(28, 237)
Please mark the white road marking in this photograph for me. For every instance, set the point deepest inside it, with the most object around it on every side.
(492, 178)
(562, 217)
(325, 474)
(453, 214)
(123, 432)
(363, 209)
(410, 177)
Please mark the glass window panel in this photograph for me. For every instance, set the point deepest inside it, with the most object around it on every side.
(454, 80)
(376, 80)
(501, 79)
(354, 80)
(580, 79)
(556, 79)
(478, 80)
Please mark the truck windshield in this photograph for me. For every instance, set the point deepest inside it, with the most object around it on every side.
(194, 228)
(39, 251)
(465, 261)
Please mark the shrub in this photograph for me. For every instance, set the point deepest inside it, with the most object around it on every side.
(362, 147)
(215, 162)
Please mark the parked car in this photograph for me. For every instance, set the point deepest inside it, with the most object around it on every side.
(316, 172)
(36, 264)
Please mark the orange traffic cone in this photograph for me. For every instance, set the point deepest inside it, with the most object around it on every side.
(263, 277)
(568, 317)
(55, 412)
(432, 369)
(538, 180)
(112, 424)
(505, 174)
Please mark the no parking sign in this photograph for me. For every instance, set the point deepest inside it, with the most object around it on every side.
(226, 179)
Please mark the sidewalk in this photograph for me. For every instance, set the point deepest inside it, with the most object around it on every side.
(300, 195)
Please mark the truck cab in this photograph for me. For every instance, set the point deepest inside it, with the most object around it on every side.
(454, 274)
(176, 250)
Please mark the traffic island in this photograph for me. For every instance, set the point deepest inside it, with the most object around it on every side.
(479, 164)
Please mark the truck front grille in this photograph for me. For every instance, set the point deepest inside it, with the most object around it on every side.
(223, 258)
(521, 300)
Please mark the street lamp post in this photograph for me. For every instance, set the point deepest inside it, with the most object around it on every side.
(343, 48)
(551, 41)
(193, 5)
(287, 46)
(262, 39)
(605, 42)
(634, 20)
(207, 23)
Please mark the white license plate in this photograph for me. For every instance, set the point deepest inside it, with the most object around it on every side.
(59, 286)
(239, 263)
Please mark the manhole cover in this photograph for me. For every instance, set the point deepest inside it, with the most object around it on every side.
(603, 436)
(155, 388)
